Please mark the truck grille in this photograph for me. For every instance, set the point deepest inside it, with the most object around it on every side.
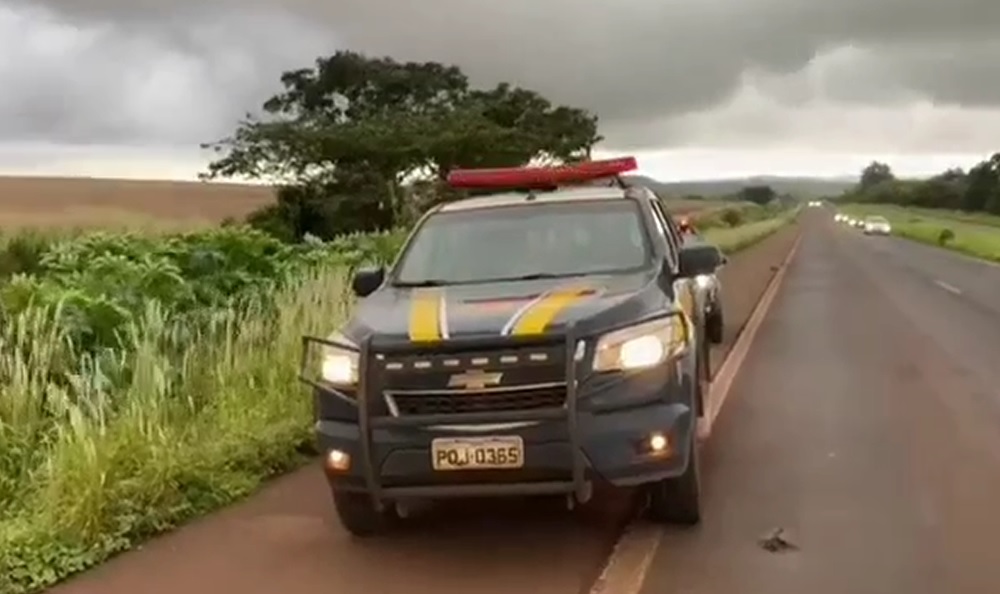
(458, 402)
(519, 366)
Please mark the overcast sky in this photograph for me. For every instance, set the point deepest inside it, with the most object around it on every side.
(705, 88)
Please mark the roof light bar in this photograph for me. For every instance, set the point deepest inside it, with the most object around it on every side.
(540, 177)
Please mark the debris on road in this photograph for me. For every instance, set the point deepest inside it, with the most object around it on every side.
(777, 541)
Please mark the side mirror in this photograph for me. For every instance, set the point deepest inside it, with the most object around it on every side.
(367, 280)
(700, 259)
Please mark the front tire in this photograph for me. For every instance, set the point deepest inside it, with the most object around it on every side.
(359, 516)
(677, 500)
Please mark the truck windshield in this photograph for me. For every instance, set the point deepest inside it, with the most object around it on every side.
(526, 241)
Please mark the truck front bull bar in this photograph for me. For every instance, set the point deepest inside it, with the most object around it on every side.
(578, 485)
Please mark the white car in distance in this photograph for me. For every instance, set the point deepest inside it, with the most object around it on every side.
(876, 225)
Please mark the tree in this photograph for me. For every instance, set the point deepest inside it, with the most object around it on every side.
(983, 184)
(347, 137)
(758, 194)
(975, 191)
(874, 174)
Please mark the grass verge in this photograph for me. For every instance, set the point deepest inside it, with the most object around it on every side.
(733, 239)
(183, 437)
(976, 235)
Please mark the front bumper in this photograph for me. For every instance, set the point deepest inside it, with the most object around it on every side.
(609, 449)
(601, 433)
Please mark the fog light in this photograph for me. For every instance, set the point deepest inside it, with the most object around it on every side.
(338, 461)
(658, 443)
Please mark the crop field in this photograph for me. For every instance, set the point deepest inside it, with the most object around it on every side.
(149, 376)
(88, 203)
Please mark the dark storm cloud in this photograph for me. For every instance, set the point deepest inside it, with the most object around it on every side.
(179, 78)
(632, 61)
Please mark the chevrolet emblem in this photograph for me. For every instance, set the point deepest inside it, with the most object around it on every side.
(474, 379)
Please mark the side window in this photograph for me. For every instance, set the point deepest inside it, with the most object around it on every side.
(664, 223)
(658, 220)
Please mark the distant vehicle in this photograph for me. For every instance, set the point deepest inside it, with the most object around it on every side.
(815, 203)
(686, 227)
(876, 225)
(840, 218)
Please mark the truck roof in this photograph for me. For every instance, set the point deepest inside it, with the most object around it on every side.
(573, 194)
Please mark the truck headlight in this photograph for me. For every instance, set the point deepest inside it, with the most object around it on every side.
(340, 367)
(642, 346)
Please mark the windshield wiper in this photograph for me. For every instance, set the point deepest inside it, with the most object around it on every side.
(537, 276)
(433, 282)
(429, 282)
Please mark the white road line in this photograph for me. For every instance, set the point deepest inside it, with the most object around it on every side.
(950, 288)
(626, 568)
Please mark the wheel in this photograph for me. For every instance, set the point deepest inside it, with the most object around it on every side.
(704, 371)
(678, 500)
(715, 327)
(358, 514)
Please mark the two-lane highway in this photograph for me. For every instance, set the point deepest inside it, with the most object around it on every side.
(864, 423)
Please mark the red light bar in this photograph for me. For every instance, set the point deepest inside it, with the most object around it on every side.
(540, 177)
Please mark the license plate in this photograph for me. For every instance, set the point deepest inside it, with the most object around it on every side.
(477, 453)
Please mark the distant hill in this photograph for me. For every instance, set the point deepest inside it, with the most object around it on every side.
(803, 187)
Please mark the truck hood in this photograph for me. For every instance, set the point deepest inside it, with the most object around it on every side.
(521, 308)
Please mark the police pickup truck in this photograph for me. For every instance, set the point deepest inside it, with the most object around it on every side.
(528, 342)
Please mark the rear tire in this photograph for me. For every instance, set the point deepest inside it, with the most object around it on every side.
(703, 371)
(359, 516)
(677, 500)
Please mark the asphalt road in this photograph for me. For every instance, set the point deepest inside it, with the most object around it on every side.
(866, 423)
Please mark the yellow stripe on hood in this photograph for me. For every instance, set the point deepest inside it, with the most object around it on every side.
(539, 315)
(425, 315)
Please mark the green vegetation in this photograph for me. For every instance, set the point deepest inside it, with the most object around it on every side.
(364, 144)
(734, 239)
(972, 234)
(146, 380)
(730, 215)
(972, 192)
